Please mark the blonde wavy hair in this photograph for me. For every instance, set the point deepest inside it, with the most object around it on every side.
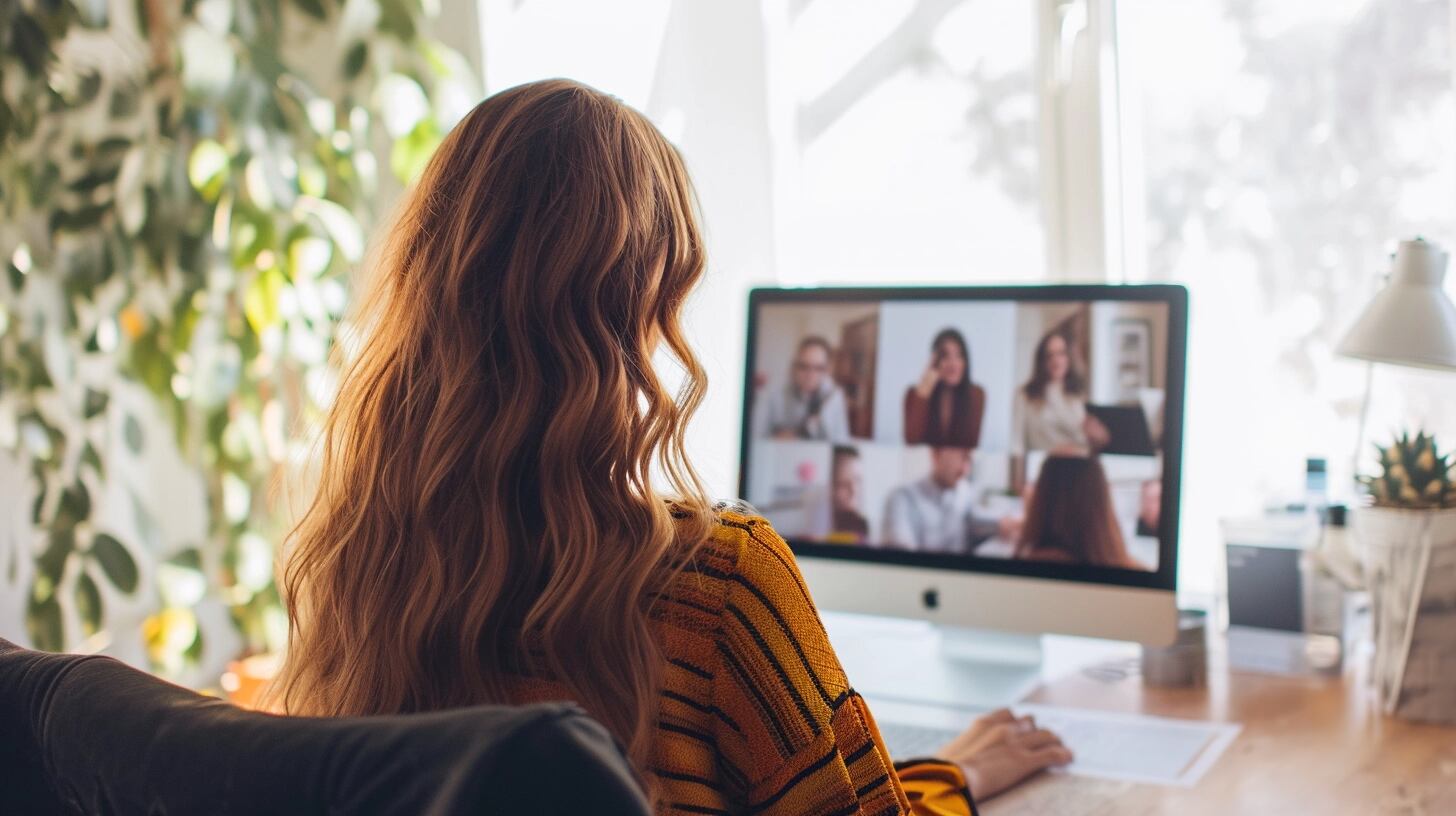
(485, 510)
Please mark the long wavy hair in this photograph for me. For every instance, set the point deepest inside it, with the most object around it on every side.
(1074, 384)
(961, 428)
(485, 510)
(1071, 518)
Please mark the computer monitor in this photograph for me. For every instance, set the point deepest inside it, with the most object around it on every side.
(1001, 458)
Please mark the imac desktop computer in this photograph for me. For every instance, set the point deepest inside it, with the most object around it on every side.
(1000, 462)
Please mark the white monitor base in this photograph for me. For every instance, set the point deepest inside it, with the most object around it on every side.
(915, 661)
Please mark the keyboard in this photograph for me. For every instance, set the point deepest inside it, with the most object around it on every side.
(1110, 746)
(907, 741)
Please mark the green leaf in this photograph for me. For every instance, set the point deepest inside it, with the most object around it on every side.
(340, 224)
(95, 403)
(75, 505)
(409, 155)
(38, 505)
(116, 562)
(132, 431)
(397, 18)
(89, 456)
(88, 604)
(260, 301)
(94, 179)
(51, 564)
(126, 101)
(355, 59)
(194, 652)
(43, 622)
(131, 199)
(308, 257)
(78, 220)
(190, 558)
(313, 8)
(402, 104)
(207, 168)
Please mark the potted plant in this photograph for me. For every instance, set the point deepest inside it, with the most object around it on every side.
(1407, 539)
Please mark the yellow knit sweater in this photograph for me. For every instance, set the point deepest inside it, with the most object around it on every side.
(756, 714)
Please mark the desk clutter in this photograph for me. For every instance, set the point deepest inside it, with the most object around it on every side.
(1308, 587)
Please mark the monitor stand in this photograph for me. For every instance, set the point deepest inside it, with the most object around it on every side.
(934, 664)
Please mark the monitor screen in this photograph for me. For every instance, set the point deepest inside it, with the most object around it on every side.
(1031, 430)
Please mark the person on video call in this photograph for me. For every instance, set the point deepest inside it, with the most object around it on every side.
(1150, 508)
(1069, 517)
(1051, 410)
(945, 407)
(937, 513)
(811, 405)
(846, 495)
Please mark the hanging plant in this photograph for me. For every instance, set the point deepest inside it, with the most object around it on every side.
(180, 203)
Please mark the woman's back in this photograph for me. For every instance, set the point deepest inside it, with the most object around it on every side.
(490, 522)
(755, 711)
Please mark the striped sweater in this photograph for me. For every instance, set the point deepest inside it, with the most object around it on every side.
(756, 714)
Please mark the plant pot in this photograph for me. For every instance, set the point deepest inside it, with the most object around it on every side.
(1410, 567)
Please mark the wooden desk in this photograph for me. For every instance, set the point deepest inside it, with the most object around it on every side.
(1308, 746)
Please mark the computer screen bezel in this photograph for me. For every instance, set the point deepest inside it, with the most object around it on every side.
(1173, 295)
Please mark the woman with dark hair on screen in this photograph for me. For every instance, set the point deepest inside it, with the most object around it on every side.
(1051, 409)
(1069, 518)
(486, 528)
(944, 409)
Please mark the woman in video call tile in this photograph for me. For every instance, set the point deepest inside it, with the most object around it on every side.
(1070, 519)
(811, 405)
(847, 523)
(945, 407)
(1051, 410)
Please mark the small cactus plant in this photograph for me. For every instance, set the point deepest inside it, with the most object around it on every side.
(1414, 475)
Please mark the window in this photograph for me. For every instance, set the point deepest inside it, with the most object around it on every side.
(916, 143)
(1267, 153)
(1284, 148)
(832, 141)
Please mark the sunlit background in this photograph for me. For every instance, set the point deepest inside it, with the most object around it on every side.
(1266, 153)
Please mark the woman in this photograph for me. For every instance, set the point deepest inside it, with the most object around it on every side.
(944, 409)
(847, 524)
(1069, 518)
(486, 530)
(1051, 410)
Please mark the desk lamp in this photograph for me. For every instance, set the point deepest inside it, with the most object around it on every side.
(1411, 322)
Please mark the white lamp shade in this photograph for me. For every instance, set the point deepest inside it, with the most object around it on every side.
(1412, 321)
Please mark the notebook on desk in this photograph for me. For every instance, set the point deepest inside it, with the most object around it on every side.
(1115, 746)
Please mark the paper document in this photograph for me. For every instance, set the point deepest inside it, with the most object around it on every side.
(1135, 747)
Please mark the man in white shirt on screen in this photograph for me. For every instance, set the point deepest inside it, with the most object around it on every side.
(937, 514)
(811, 405)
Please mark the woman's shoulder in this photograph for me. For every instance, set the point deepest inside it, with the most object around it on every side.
(741, 545)
(742, 533)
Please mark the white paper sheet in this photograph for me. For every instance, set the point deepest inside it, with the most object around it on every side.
(1135, 747)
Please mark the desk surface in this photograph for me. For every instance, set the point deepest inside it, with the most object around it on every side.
(1316, 746)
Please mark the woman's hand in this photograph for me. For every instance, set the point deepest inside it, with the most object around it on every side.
(1097, 434)
(926, 386)
(1000, 749)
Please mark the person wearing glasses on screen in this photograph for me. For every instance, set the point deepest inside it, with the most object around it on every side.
(938, 513)
(811, 405)
(945, 407)
(847, 523)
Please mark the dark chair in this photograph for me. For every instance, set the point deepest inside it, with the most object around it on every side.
(90, 735)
